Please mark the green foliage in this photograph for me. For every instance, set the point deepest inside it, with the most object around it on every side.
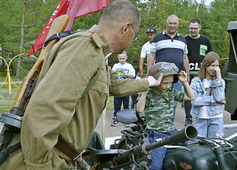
(214, 20)
(36, 15)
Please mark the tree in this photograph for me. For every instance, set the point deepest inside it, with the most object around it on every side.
(23, 21)
(214, 20)
(218, 17)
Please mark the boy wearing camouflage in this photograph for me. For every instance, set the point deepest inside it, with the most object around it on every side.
(157, 104)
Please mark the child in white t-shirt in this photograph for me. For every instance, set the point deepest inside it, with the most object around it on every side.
(124, 71)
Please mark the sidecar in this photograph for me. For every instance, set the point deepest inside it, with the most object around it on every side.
(203, 154)
(199, 154)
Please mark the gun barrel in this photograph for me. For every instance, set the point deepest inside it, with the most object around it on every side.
(188, 133)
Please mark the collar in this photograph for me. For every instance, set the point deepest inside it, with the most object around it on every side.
(164, 33)
(194, 38)
(202, 84)
(96, 28)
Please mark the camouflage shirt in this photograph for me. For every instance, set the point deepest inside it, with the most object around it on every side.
(159, 109)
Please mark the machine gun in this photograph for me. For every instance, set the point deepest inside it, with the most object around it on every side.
(136, 154)
(132, 150)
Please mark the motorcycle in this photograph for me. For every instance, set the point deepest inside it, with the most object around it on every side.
(132, 150)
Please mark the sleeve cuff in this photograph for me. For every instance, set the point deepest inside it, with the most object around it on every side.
(143, 84)
(218, 83)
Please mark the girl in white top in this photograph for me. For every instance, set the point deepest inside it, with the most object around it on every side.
(209, 90)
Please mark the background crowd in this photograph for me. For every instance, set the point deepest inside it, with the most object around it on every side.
(214, 18)
(177, 61)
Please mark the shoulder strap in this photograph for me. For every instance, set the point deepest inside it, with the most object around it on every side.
(58, 35)
(91, 82)
(4, 154)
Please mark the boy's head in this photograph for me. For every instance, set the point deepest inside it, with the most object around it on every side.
(170, 71)
(122, 57)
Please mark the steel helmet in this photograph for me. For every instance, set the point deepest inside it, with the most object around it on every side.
(164, 67)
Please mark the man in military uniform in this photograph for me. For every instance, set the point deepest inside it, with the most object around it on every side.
(57, 110)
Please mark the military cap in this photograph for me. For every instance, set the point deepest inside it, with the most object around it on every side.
(163, 67)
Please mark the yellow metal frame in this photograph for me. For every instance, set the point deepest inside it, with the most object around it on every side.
(8, 78)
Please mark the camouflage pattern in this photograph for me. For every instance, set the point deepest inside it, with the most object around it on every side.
(159, 109)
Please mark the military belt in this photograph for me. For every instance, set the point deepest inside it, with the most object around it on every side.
(64, 148)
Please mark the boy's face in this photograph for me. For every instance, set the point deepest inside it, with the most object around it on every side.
(122, 59)
(166, 83)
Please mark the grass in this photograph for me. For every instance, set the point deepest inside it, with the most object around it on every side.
(3, 77)
(6, 99)
(110, 103)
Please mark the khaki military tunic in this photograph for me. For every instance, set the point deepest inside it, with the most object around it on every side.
(57, 108)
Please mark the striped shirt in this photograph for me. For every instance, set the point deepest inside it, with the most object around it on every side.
(169, 49)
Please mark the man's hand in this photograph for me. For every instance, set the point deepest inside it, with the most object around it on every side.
(183, 77)
(153, 81)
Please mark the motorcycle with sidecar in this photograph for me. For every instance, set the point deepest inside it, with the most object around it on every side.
(186, 150)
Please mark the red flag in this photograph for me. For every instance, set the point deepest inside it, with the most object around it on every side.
(78, 8)
(74, 8)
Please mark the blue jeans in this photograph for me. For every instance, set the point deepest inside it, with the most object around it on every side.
(118, 103)
(177, 86)
(158, 154)
(211, 128)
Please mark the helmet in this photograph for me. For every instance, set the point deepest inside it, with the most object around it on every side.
(164, 67)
